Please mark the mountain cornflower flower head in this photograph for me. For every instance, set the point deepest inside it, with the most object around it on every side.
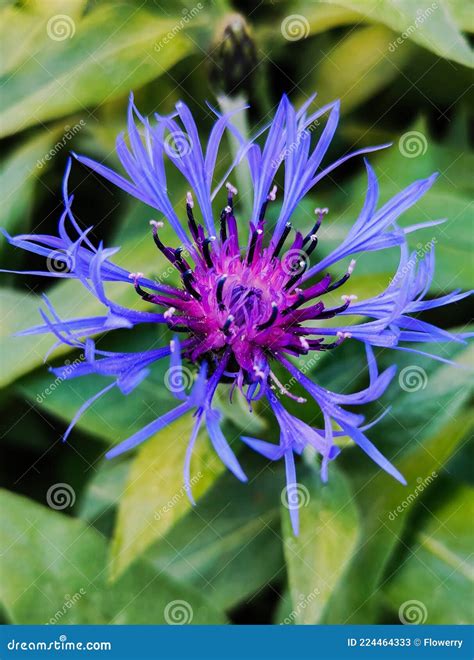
(243, 305)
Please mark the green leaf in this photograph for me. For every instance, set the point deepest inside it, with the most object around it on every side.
(24, 29)
(52, 570)
(18, 355)
(416, 155)
(318, 557)
(91, 67)
(359, 67)
(18, 177)
(438, 570)
(154, 497)
(114, 416)
(102, 495)
(229, 546)
(421, 432)
(431, 25)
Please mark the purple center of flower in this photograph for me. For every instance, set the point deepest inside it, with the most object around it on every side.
(249, 299)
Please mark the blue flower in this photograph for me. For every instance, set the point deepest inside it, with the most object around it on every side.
(243, 306)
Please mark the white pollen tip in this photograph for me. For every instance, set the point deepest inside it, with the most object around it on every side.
(349, 298)
(272, 194)
(232, 189)
(172, 344)
(131, 276)
(344, 335)
(167, 315)
(350, 268)
(301, 399)
(212, 238)
(313, 237)
(259, 232)
(304, 343)
(228, 209)
(189, 199)
(319, 211)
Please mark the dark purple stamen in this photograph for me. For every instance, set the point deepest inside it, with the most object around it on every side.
(299, 301)
(206, 251)
(187, 279)
(189, 211)
(292, 281)
(219, 291)
(223, 223)
(313, 241)
(271, 319)
(227, 324)
(253, 242)
(281, 240)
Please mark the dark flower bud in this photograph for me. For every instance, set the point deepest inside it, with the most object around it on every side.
(233, 58)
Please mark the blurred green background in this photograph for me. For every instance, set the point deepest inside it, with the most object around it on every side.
(88, 541)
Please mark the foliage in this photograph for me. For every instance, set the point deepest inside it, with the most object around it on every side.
(126, 534)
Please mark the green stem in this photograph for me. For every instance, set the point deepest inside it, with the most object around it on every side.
(242, 173)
